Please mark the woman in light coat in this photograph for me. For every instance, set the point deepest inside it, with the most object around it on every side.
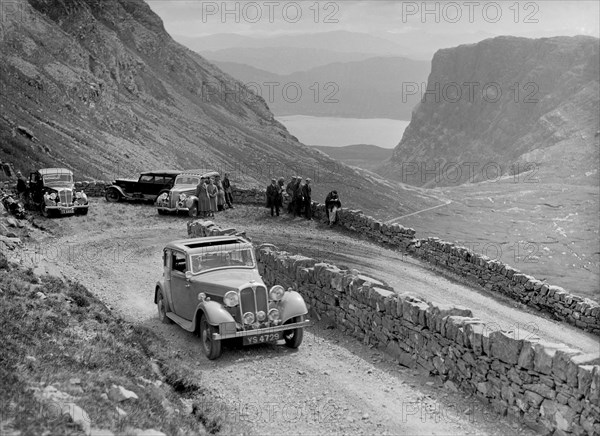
(212, 194)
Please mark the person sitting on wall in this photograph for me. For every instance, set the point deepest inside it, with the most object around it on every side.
(332, 204)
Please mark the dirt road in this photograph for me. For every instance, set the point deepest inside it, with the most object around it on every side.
(332, 384)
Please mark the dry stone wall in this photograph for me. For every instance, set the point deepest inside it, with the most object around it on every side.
(491, 275)
(552, 388)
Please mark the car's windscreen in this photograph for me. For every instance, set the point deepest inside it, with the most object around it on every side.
(58, 179)
(187, 180)
(222, 257)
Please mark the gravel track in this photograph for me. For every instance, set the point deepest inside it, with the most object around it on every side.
(332, 384)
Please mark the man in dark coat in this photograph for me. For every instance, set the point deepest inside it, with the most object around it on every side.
(306, 194)
(289, 190)
(297, 197)
(227, 188)
(273, 196)
(332, 204)
(21, 186)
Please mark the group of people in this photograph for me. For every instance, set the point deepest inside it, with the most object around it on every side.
(299, 195)
(300, 201)
(213, 194)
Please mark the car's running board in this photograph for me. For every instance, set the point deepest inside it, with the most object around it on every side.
(183, 323)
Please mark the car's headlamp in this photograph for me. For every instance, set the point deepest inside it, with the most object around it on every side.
(231, 299)
(276, 292)
(248, 318)
(274, 315)
(260, 316)
(182, 197)
(52, 196)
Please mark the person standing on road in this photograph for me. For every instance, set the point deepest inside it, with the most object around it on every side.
(21, 186)
(273, 196)
(203, 198)
(298, 199)
(212, 195)
(220, 194)
(289, 190)
(306, 194)
(281, 191)
(227, 189)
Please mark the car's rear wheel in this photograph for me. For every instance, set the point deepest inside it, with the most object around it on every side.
(211, 347)
(112, 195)
(162, 309)
(193, 211)
(293, 338)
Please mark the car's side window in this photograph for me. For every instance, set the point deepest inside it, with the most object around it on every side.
(159, 180)
(147, 179)
(179, 262)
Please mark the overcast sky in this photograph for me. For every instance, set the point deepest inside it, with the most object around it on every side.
(192, 18)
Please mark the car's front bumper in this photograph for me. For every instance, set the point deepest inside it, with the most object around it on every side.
(242, 333)
(67, 209)
(172, 209)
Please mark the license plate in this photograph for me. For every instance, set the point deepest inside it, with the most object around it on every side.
(263, 338)
(67, 210)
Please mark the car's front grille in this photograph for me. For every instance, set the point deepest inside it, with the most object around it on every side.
(254, 301)
(66, 197)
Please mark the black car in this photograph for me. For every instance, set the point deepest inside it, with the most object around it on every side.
(148, 187)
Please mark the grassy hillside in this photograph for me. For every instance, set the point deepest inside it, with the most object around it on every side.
(103, 89)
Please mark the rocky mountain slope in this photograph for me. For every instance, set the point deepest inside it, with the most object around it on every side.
(510, 103)
(101, 87)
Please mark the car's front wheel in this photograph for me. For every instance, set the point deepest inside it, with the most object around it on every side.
(193, 211)
(211, 347)
(162, 309)
(112, 195)
(293, 338)
(45, 211)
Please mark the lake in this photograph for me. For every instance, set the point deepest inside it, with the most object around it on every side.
(338, 132)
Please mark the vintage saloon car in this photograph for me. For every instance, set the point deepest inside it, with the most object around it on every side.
(146, 188)
(211, 286)
(52, 192)
(176, 200)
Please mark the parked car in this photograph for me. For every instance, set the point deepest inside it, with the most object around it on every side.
(176, 200)
(147, 187)
(52, 192)
(211, 286)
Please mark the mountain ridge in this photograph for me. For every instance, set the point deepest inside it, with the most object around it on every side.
(539, 93)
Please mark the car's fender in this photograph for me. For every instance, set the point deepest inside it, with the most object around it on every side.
(159, 288)
(215, 313)
(190, 201)
(118, 188)
(292, 304)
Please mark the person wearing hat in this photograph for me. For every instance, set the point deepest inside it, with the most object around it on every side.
(273, 196)
(21, 185)
(297, 196)
(227, 188)
(306, 194)
(332, 204)
(289, 190)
